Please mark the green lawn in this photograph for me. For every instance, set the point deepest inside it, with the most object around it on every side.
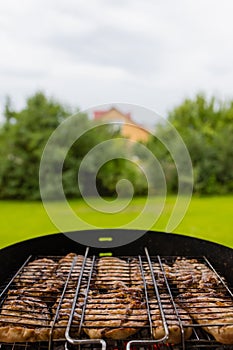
(208, 218)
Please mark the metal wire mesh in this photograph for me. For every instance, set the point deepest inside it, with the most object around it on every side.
(75, 298)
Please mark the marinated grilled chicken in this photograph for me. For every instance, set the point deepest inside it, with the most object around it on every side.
(40, 270)
(213, 312)
(36, 271)
(189, 273)
(45, 279)
(158, 274)
(137, 277)
(64, 266)
(39, 285)
(24, 319)
(115, 306)
(136, 274)
(111, 270)
(38, 279)
(61, 320)
(174, 327)
(115, 315)
(46, 291)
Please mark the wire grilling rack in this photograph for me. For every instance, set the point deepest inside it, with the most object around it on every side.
(63, 314)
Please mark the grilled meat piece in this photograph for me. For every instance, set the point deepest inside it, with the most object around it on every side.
(111, 270)
(137, 279)
(36, 271)
(24, 319)
(40, 282)
(172, 320)
(189, 273)
(60, 323)
(115, 315)
(158, 274)
(44, 278)
(64, 266)
(38, 279)
(213, 312)
(47, 291)
(136, 274)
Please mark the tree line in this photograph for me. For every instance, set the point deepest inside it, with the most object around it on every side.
(206, 126)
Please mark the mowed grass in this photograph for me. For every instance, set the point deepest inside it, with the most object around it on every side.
(210, 218)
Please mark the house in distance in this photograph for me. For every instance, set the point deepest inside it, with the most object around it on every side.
(128, 128)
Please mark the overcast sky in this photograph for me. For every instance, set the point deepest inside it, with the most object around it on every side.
(152, 53)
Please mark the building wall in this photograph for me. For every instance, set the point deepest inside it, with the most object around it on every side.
(135, 133)
(129, 128)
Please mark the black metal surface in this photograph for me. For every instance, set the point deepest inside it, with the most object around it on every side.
(160, 243)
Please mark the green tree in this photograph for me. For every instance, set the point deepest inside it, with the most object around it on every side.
(23, 137)
(206, 126)
(111, 156)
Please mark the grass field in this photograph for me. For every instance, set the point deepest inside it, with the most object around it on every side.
(208, 218)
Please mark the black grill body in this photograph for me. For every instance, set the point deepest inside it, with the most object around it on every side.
(160, 243)
(162, 246)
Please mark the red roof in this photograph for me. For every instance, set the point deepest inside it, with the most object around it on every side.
(100, 114)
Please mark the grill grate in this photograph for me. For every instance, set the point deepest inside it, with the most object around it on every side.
(59, 298)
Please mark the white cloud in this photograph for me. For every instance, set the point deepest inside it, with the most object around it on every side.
(87, 53)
